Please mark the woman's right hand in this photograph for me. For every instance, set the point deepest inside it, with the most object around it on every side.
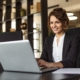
(45, 64)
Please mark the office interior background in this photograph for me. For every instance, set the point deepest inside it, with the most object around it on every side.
(31, 14)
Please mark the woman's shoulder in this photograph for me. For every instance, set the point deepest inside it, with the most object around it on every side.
(72, 36)
(50, 37)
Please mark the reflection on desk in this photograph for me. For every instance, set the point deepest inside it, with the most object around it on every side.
(31, 76)
(19, 76)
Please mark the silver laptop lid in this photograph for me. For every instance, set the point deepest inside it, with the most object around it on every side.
(18, 56)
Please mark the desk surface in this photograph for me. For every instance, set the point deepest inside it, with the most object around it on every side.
(31, 76)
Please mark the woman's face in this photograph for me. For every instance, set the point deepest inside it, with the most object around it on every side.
(56, 25)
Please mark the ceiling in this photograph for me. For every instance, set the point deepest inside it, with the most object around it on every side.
(70, 5)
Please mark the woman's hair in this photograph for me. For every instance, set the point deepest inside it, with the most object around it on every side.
(60, 14)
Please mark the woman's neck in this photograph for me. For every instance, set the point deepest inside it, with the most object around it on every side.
(60, 34)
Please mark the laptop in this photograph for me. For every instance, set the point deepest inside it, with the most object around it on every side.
(19, 56)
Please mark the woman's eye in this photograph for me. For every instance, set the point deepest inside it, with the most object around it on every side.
(51, 22)
(57, 22)
(54, 22)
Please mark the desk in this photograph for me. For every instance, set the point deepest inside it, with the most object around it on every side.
(44, 76)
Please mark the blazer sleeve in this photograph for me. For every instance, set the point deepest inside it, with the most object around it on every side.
(70, 59)
(78, 58)
(44, 54)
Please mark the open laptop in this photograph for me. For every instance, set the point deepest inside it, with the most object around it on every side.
(18, 56)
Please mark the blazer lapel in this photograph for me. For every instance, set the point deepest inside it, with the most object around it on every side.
(65, 45)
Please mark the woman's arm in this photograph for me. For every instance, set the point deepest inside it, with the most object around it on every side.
(44, 54)
(46, 64)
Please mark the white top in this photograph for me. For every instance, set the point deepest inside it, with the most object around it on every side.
(58, 49)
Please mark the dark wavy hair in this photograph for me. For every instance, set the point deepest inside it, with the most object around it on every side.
(60, 14)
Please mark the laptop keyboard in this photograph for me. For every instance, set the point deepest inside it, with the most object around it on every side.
(42, 68)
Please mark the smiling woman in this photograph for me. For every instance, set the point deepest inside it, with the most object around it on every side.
(59, 19)
(73, 9)
(58, 48)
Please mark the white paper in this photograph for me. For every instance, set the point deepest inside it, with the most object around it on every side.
(67, 71)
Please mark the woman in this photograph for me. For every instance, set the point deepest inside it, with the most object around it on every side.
(60, 50)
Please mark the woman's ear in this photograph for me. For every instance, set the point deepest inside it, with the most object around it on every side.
(65, 23)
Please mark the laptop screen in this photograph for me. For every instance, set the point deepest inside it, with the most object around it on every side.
(18, 56)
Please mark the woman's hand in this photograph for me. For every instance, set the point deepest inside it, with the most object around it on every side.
(46, 64)
(43, 63)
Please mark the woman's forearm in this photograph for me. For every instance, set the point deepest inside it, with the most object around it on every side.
(56, 65)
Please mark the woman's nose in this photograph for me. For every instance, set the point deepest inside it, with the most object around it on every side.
(54, 25)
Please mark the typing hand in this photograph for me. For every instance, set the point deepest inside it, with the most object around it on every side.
(37, 59)
(43, 63)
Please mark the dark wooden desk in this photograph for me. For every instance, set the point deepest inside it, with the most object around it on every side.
(44, 76)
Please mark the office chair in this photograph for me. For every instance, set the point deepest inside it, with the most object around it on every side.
(10, 36)
(76, 31)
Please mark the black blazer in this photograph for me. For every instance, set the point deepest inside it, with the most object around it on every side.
(70, 50)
